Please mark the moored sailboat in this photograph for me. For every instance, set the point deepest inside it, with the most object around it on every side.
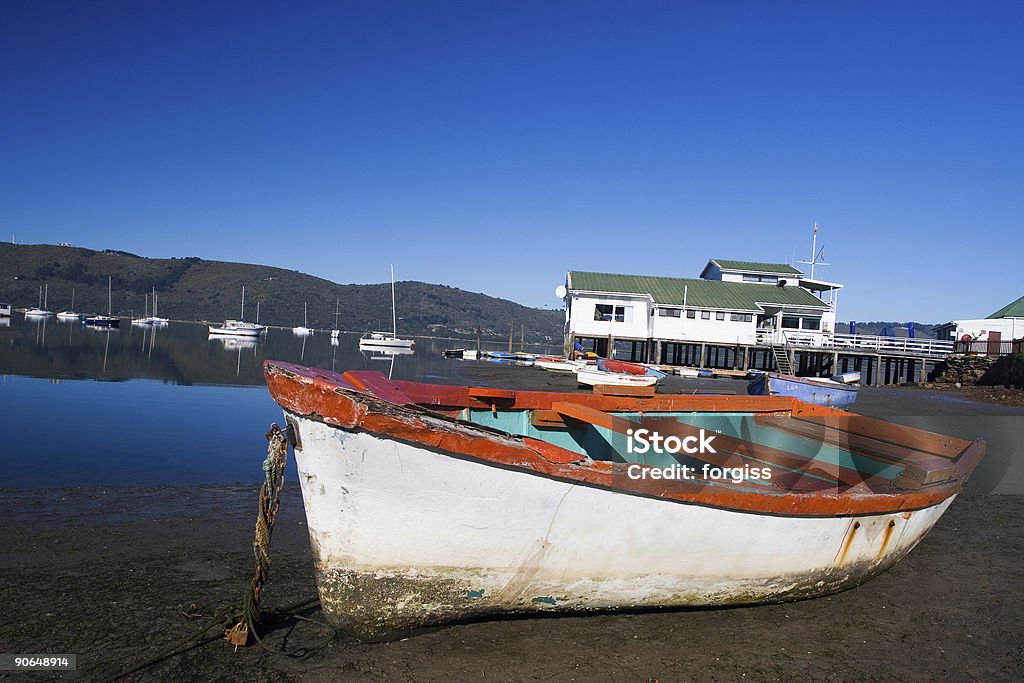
(384, 338)
(108, 320)
(239, 328)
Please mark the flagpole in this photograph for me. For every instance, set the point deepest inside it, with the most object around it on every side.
(814, 248)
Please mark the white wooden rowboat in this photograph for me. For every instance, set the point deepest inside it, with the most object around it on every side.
(431, 504)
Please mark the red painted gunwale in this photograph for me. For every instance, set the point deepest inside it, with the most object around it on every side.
(405, 412)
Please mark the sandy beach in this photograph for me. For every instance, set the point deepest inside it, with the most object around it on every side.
(115, 574)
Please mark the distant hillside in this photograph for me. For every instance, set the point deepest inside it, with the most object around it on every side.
(195, 289)
(922, 330)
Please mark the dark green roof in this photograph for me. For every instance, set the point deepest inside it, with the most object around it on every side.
(756, 267)
(733, 296)
(1011, 310)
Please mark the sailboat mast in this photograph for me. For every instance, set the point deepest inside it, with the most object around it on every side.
(110, 307)
(46, 296)
(394, 314)
(242, 314)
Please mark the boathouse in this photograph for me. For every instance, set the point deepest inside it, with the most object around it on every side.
(732, 304)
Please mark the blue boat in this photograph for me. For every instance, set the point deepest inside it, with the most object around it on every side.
(824, 392)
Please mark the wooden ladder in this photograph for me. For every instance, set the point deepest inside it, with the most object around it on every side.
(783, 361)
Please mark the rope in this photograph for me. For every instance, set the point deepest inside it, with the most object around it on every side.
(270, 501)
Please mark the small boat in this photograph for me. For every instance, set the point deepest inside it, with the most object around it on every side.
(240, 328)
(107, 321)
(611, 365)
(303, 330)
(555, 364)
(40, 310)
(156, 319)
(385, 338)
(70, 313)
(821, 391)
(145, 319)
(510, 355)
(453, 353)
(430, 504)
(337, 309)
(593, 377)
(847, 377)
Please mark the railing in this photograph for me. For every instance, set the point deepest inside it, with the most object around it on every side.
(857, 342)
(989, 348)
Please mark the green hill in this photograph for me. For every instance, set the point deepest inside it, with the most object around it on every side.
(195, 289)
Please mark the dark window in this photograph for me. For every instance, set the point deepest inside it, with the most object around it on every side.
(609, 313)
(741, 317)
(790, 322)
(810, 323)
(747, 277)
(690, 313)
(670, 312)
(705, 315)
(719, 315)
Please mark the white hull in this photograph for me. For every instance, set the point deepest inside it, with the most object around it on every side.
(302, 331)
(237, 331)
(593, 377)
(392, 342)
(405, 536)
(558, 365)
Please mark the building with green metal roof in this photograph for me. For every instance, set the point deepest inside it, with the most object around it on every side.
(1006, 324)
(733, 303)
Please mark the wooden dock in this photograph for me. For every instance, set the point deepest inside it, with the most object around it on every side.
(880, 360)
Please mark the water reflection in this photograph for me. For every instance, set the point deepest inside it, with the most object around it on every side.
(186, 353)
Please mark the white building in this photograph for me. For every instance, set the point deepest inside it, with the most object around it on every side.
(1006, 324)
(733, 304)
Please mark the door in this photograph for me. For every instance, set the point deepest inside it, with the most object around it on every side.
(993, 343)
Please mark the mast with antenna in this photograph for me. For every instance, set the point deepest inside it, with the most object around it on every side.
(394, 314)
(817, 258)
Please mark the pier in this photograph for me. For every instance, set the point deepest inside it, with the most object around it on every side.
(880, 360)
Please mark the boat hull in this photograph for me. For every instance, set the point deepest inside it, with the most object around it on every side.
(820, 392)
(388, 342)
(237, 331)
(406, 536)
(594, 377)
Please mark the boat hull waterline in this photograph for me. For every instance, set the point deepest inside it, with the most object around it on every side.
(409, 528)
(823, 392)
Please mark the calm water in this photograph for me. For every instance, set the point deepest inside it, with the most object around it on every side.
(155, 406)
(142, 406)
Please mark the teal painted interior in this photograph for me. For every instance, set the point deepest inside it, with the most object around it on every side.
(603, 444)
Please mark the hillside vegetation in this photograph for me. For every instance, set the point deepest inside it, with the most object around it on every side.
(196, 289)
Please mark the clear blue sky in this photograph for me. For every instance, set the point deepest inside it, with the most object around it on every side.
(494, 145)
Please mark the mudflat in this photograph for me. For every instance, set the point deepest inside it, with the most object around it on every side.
(114, 575)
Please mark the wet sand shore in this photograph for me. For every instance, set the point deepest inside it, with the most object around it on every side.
(115, 574)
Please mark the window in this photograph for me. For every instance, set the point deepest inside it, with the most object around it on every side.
(609, 313)
(770, 279)
(705, 315)
(741, 317)
(670, 312)
(691, 314)
(719, 315)
(810, 323)
(790, 322)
